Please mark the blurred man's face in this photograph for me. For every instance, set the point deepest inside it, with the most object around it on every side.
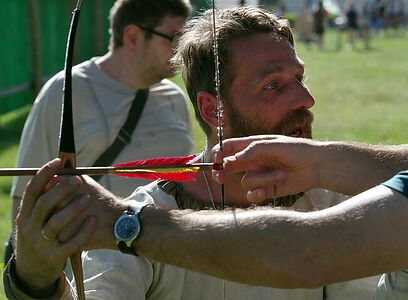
(158, 50)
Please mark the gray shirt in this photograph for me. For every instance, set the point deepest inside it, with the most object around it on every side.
(100, 107)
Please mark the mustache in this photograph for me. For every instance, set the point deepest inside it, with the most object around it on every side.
(301, 118)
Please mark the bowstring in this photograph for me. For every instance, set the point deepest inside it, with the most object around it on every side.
(218, 93)
(219, 104)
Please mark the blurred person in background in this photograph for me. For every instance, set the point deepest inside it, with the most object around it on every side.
(104, 90)
(304, 26)
(319, 18)
(366, 15)
(352, 24)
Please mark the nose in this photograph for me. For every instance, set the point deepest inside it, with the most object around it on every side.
(302, 98)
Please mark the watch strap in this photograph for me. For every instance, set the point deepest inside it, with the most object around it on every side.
(125, 249)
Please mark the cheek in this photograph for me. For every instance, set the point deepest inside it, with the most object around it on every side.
(159, 53)
(268, 113)
(165, 50)
(261, 111)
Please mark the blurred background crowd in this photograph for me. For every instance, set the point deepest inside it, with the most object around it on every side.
(359, 19)
(353, 19)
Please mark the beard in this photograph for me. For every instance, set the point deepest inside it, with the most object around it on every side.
(298, 120)
(296, 123)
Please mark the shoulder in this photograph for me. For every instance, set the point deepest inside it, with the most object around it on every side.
(83, 69)
(167, 88)
(52, 89)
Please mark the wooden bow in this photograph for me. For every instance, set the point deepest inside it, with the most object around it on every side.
(66, 143)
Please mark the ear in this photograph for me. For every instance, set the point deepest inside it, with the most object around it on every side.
(207, 104)
(132, 36)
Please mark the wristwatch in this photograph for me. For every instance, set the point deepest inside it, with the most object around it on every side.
(127, 229)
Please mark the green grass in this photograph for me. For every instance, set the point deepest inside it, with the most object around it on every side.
(360, 95)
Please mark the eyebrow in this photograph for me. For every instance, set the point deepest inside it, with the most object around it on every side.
(276, 68)
(269, 69)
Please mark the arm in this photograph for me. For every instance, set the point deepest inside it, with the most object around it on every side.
(284, 249)
(295, 165)
(357, 238)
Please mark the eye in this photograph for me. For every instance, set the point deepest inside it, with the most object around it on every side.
(301, 78)
(271, 86)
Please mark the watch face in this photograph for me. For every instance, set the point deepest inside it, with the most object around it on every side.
(126, 228)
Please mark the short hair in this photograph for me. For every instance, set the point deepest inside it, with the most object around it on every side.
(146, 13)
(195, 53)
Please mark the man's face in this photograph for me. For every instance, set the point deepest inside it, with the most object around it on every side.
(267, 94)
(157, 51)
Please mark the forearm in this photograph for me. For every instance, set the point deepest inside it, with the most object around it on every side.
(211, 242)
(283, 249)
(351, 168)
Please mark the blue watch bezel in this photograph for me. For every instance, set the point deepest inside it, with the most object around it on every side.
(125, 244)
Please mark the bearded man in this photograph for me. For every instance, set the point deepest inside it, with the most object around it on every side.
(262, 91)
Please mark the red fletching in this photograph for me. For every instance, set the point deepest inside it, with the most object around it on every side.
(174, 176)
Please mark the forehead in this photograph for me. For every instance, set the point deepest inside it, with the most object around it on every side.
(263, 53)
(171, 22)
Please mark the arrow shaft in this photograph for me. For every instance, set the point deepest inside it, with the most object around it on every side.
(114, 170)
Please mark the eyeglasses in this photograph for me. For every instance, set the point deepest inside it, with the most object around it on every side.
(168, 37)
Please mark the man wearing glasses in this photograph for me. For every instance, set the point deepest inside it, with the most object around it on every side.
(104, 90)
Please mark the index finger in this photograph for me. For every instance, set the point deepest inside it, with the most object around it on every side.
(37, 184)
(258, 156)
(234, 145)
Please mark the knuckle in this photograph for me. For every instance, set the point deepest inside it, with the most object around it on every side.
(25, 233)
(42, 203)
(52, 226)
(30, 186)
(74, 246)
(19, 220)
(63, 237)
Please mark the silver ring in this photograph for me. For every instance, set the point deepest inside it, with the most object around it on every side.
(44, 235)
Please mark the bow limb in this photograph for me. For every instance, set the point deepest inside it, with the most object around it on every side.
(66, 137)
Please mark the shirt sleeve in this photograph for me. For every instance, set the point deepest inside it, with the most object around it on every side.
(111, 274)
(392, 286)
(399, 183)
(13, 290)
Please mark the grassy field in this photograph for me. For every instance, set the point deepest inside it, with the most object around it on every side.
(361, 95)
